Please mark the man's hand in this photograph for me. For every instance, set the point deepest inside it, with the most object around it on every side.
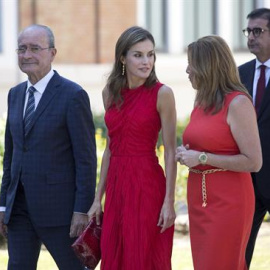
(3, 227)
(78, 224)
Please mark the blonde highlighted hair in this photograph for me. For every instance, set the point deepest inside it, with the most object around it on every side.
(215, 72)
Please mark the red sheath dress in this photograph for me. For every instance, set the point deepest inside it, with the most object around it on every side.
(219, 232)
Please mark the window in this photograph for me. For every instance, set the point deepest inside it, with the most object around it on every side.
(204, 18)
(156, 11)
(200, 19)
(240, 11)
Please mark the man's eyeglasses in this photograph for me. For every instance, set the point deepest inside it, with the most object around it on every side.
(255, 31)
(32, 49)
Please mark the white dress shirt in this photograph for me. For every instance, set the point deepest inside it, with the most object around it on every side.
(40, 86)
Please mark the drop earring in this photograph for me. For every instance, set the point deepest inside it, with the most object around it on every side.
(123, 70)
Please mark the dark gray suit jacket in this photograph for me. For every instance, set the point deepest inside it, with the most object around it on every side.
(56, 160)
(262, 178)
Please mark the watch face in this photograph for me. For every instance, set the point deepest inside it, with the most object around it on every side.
(203, 158)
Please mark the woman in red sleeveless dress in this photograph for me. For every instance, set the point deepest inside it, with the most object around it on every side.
(221, 147)
(137, 230)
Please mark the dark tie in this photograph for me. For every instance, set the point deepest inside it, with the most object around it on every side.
(260, 88)
(30, 109)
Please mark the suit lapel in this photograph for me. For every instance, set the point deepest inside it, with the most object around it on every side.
(21, 98)
(46, 98)
(265, 99)
(249, 77)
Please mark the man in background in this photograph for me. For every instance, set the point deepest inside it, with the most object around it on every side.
(255, 76)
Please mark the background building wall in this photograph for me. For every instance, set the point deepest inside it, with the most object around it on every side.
(115, 17)
(85, 30)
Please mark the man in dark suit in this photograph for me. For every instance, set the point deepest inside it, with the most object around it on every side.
(256, 80)
(49, 174)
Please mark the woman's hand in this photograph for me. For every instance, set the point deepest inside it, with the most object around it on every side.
(179, 154)
(187, 157)
(167, 216)
(95, 210)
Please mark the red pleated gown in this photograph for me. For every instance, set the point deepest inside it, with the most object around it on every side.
(219, 232)
(135, 190)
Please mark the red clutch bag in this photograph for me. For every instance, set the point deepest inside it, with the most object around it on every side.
(87, 245)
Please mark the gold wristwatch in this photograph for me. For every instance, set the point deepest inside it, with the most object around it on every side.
(203, 158)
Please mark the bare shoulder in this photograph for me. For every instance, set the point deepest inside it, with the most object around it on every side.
(240, 109)
(165, 94)
(165, 91)
(240, 101)
(165, 98)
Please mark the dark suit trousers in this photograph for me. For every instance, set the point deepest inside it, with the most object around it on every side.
(262, 205)
(25, 239)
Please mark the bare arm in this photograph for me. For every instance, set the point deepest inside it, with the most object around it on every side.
(96, 207)
(242, 121)
(166, 109)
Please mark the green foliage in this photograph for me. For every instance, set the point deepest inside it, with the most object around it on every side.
(100, 125)
(180, 127)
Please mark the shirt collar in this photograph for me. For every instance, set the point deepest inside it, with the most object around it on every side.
(258, 63)
(41, 85)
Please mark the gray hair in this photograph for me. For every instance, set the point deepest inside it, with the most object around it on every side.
(47, 29)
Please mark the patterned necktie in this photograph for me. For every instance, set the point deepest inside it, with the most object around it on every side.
(260, 88)
(30, 109)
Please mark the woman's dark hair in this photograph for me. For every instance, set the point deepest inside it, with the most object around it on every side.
(116, 81)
